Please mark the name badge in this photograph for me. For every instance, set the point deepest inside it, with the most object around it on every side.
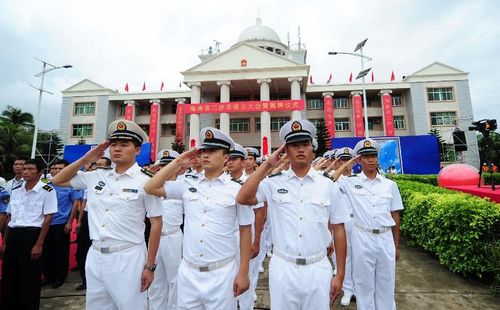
(97, 187)
(193, 190)
(130, 190)
(358, 186)
(282, 191)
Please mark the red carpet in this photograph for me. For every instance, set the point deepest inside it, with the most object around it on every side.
(483, 191)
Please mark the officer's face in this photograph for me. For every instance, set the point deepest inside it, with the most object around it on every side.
(235, 164)
(369, 162)
(250, 163)
(300, 152)
(54, 170)
(30, 173)
(18, 166)
(213, 159)
(196, 162)
(123, 151)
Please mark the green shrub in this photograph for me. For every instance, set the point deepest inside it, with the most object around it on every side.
(460, 229)
(422, 178)
(487, 179)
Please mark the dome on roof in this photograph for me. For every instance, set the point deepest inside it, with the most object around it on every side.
(259, 32)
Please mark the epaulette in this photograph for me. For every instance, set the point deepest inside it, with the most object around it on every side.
(273, 175)
(48, 188)
(237, 181)
(352, 176)
(105, 168)
(326, 175)
(148, 173)
(191, 176)
(17, 187)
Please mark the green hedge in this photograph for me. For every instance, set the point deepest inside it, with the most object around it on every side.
(487, 179)
(422, 178)
(460, 229)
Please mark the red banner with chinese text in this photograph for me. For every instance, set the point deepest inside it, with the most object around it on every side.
(359, 127)
(153, 129)
(179, 122)
(129, 112)
(329, 115)
(388, 115)
(245, 106)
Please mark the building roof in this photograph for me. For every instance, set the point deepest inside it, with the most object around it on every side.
(259, 32)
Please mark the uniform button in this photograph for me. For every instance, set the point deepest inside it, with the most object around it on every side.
(205, 211)
(207, 198)
(300, 236)
(201, 241)
(201, 255)
(300, 254)
(300, 218)
(301, 184)
(209, 185)
(107, 210)
(103, 225)
(117, 179)
(111, 194)
(301, 201)
(203, 225)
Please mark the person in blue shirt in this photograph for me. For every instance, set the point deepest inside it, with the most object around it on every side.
(4, 203)
(56, 254)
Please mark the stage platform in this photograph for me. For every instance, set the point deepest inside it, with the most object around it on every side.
(483, 191)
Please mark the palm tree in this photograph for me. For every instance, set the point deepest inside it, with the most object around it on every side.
(17, 117)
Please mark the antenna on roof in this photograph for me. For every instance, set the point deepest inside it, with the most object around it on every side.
(299, 38)
(217, 45)
(288, 39)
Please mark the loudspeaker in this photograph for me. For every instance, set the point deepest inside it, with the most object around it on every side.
(459, 141)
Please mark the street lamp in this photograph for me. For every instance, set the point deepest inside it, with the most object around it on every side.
(361, 75)
(41, 90)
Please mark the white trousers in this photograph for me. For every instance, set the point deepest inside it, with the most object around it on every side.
(266, 242)
(348, 286)
(245, 300)
(297, 287)
(114, 280)
(374, 265)
(206, 290)
(163, 290)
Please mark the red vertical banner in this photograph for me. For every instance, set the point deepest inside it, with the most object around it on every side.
(129, 112)
(359, 127)
(329, 115)
(265, 146)
(179, 122)
(153, 129)
(388, 115)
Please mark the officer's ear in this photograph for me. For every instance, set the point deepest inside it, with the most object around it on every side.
(137, 150)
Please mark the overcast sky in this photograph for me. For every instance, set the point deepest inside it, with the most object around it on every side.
(115, 42)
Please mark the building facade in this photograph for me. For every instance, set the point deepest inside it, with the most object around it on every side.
(259, 68)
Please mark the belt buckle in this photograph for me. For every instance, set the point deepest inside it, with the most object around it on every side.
(105, 250)
(204, 269)
(300, 261)
(376, 231)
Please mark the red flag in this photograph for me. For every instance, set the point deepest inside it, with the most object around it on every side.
(373, 78)
(392, 76)
(350, 78)
(329, 78)
(161, 87)
(311, 80)
(144, 86)
(126, 87)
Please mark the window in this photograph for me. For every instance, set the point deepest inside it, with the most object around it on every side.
(143, 109)
(84, 108)
(315, 104)
(372, 102)
(257, 124)
(374, 123)
(121, 109)
(443, 118)
(82, 130)
(342, 124)
(167, 129)
(239, 98)
(340, 103)
(440, 94)
(399, 122)
(280, 96)
(236, 124)
(145, 127)
(316, 121)
(278, 122)
(397, 101)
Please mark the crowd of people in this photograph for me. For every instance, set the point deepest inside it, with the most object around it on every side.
(192, 230)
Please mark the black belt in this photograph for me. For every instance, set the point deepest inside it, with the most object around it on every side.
(25, 229)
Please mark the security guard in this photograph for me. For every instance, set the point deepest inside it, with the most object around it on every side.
(118, 268)
(301, 203)
(375, 233)
(163, 291)
(31, 207)
(208, 275)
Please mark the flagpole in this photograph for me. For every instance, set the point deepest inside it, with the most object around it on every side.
(365, 105)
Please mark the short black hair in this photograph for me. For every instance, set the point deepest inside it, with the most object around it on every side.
(60, 162)
(40, 166)
(21, 157)
(108, 161)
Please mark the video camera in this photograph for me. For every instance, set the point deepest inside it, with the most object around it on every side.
(484, 126)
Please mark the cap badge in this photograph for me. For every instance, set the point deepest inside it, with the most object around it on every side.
(121, 126)
(346, 151)
(367, 143)
(209, 134)
(296, 126)
(166, 153)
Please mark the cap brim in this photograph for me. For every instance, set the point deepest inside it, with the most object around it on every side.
(211, 147)
(298, 138)
(123, 137)
(368, 152)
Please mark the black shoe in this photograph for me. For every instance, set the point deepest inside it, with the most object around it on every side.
(81, 287)
(76, 268)
(47, 282)
(57, 284)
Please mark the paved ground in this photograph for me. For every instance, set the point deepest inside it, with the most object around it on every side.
(421, 284)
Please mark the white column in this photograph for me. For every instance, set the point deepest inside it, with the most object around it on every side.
(265, 116)
(194, 119)
(295, 94)
(224, 97)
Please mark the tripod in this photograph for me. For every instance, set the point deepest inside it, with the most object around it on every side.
(488, 165)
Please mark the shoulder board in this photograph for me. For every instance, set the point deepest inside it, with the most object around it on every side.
(17, 187)
(325, 174)
(237, 181)
(105, 168)
(191, 176)
(148, 173)
(48, 188)
(273, 175)
(352, 176)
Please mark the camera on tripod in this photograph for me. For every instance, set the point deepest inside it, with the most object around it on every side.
(484, 126)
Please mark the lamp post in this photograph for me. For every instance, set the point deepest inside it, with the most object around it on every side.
(361, 75)
(47, 67)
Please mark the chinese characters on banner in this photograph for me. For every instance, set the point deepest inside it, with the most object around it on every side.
(179, 121)
(329, 116)
(388, 115)
(359, 127)
(129, 112)
(153, 129)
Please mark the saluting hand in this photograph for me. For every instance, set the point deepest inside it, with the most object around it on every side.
(274, 158)
(184, 160)
(96, 153)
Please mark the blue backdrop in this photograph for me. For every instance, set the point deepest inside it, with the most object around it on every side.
(74, 152)
(418, 154)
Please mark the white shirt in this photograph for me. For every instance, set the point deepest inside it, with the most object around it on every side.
(172, 214)
(28, 208)
(300, 210)
(372, 200)
(117, 203)
(13, 183)
(210, 213)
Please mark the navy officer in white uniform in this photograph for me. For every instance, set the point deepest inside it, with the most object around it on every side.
(119, 268)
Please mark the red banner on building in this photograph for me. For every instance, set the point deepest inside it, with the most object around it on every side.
(179, 121)
(153, 129)
(359, 127)
(245, 106)
(129, 112)
(329, 115)
(388, 115)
